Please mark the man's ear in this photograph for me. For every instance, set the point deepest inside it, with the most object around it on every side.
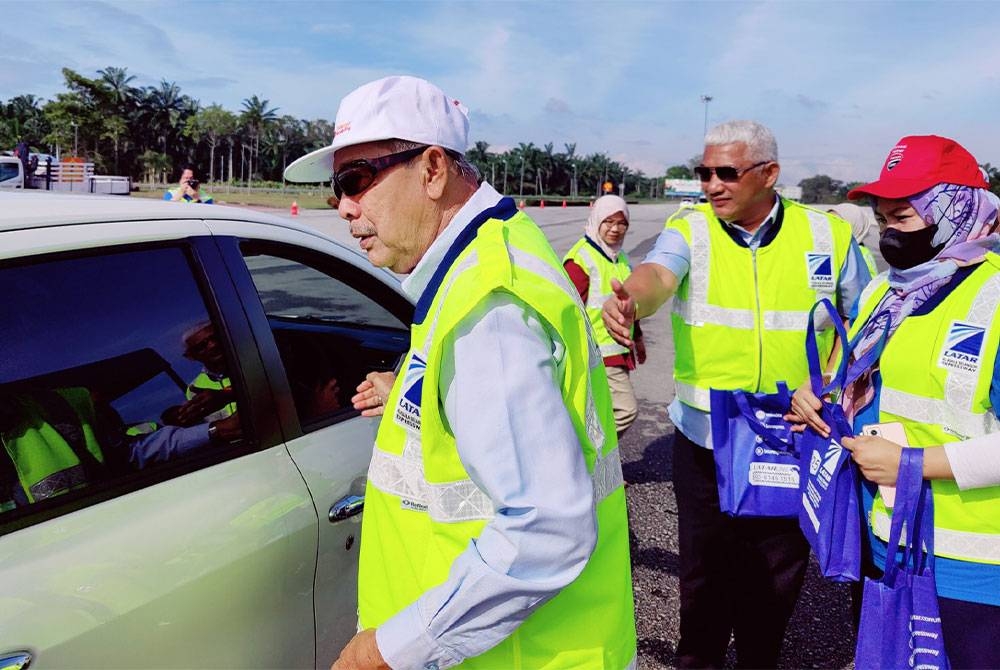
(434, 171)
(771, 172)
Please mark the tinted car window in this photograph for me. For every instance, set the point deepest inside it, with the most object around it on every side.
(111, 366)
(8, 171)
(329, 331)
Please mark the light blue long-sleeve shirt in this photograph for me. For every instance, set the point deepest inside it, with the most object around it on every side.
(500, 390)
(671, 251)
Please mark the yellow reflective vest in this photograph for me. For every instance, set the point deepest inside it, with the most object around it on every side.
(740, 314)
(601, 270)
(39, 442)
(421, 507)
(936, 373)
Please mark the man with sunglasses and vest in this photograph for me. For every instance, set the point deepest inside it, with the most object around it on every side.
(745, 269)
(495, 531)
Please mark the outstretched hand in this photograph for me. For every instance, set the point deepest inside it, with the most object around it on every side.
(619, 313)
(373, 392)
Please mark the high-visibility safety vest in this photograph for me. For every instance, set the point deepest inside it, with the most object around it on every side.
(204, 382)
(421, 507)
(54, 433)
(601, 270)
(740, 315)
(936, 373)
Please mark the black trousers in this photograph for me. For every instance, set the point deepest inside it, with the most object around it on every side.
(738, 577)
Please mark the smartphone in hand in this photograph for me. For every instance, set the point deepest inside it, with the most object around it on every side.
(894, 432)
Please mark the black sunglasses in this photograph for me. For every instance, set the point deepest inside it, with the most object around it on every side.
(354, 177)
(726, 173)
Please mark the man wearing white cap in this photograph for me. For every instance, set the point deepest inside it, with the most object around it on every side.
(495, 531)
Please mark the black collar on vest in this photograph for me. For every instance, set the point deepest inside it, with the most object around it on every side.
(503, 210)
(961, 274)
(597, 246)
(769, 236)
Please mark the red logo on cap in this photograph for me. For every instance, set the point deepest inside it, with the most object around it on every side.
(895, 156)
(342, 128)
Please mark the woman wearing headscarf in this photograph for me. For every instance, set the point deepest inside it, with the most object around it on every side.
(862, 220)
(938, 375)
(592, 263)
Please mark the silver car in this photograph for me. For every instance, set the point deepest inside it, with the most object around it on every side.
(182, 470)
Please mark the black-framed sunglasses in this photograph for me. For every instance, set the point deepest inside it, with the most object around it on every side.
(354, 177)
(726, 173)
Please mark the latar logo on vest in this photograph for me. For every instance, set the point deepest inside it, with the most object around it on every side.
(408, 407)
(962, 347)
(820, 270)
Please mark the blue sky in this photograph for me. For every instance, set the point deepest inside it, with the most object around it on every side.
(837, 82)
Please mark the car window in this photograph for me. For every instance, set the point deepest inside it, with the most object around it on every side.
(8, 171)
(112, 367)
(332, 325)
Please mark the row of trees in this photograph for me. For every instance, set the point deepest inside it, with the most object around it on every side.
(150, 132)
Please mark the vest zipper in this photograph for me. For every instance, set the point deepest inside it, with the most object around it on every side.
(758, 325)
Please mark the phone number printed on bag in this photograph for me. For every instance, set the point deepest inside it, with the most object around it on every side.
(779, 475)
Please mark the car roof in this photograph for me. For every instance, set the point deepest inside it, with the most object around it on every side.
(26, 209)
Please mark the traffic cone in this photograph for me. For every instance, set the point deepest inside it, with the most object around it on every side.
(564, 203)
(521, 204)
(295, 208)
(542, 205)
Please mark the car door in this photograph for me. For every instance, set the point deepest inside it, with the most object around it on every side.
(152, 542)
(328, 316)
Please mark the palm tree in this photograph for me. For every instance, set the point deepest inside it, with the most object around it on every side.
(118, 79)
(256, 115)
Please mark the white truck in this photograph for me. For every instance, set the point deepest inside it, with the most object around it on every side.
(61, 176)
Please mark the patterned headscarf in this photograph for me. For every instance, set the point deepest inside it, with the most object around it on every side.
(966, 218)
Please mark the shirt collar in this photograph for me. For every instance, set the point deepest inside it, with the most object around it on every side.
(762, 229)
(484, 198)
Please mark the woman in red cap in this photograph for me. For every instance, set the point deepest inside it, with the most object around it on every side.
(938, 375)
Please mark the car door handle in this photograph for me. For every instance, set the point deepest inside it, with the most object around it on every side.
(17, 660)
(344, 508)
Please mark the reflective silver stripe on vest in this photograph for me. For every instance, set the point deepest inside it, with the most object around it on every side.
(786, 320)
(954, 412)
(919, 409)
(877, 283)
(692, 395)
(822, 240)
(970, 546)
(698, 313)
(595, 431)
(463, 500)
(595, 299)
(58, 482)
(699, 271)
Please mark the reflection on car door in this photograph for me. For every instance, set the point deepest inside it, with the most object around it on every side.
(193, 552)
(331, 323)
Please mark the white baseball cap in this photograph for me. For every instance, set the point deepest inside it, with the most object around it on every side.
(399, 107)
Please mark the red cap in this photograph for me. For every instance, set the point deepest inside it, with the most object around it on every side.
(918, 162)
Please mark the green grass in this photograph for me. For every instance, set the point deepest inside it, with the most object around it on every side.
(275, 198)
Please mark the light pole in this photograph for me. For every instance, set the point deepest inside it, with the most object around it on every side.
(575, 191)
(505, 176)
(76, 138)
(706, 99)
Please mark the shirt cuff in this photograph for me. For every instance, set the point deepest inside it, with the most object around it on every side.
(405, 644)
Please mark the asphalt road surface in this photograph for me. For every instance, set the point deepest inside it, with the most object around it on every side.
(820, 634)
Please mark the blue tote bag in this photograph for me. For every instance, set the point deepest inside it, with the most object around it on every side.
(900, 621)
(756, 455)
(829, 511)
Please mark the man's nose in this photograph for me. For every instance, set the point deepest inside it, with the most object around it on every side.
(348, 208)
